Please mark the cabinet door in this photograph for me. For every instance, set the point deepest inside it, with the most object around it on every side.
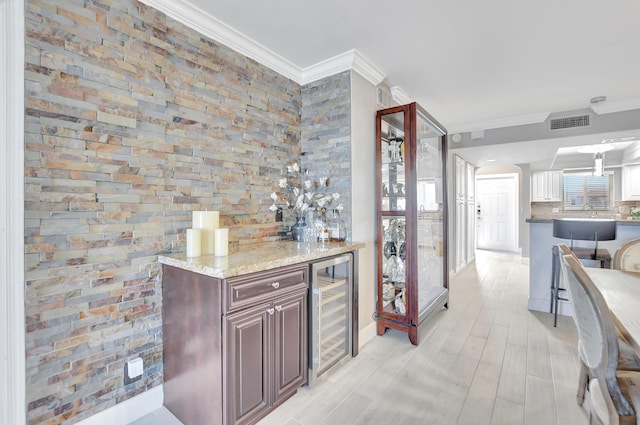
(248, 389)
(546, 186)
(461, 212)
(631, 183)
(538, 187)
(555, 185)
(471, 212)
(290, 336)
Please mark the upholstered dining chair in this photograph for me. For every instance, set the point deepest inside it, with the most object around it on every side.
(614, 395)
(628, 359)
(627, 257)
(565, 250)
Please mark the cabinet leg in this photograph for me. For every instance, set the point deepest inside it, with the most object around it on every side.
(381, 328)
(413, 335)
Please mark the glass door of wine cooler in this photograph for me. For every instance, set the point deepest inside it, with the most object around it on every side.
(330, 311)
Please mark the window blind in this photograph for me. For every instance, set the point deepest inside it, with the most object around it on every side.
(584, 191)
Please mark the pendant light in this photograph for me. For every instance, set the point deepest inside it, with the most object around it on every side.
(598, 166)
(598, 156)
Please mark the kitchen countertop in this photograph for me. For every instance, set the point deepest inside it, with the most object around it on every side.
(256, 257)
(550, 220)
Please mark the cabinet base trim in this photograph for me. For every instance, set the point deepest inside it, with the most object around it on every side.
(129, 410)
(367, 334)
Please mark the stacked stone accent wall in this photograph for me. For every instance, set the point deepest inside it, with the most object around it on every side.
(132, 121)
(326, 134)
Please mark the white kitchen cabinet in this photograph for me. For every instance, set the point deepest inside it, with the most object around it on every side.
(631, 183)
(546, 186)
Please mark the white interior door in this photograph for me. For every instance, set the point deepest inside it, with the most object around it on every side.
(497, 212)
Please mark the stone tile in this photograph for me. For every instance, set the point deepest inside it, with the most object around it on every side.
(132, 121)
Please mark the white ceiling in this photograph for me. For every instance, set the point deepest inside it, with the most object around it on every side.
(469, 63)
(465, 61)
(558, 153)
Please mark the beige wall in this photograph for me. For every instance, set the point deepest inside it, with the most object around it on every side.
(364, 106)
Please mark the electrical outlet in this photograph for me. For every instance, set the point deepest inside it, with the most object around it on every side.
(555, 210)
(133, 370)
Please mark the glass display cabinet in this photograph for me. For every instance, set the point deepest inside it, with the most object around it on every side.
(411, 219)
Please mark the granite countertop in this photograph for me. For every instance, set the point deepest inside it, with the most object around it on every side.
(256, 257)
(549, 220)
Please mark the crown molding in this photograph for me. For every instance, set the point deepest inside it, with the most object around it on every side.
(500, 122)
(349, 60)
(400, 95)
(199, 20)
(367, 69)
(609, 107)
(206, 24)
(327, 67)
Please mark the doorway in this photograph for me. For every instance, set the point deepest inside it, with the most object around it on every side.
(497, 212)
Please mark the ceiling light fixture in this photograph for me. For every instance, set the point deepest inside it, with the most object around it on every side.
(596, 149)
(598, 166)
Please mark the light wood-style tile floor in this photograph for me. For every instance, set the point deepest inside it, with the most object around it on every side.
(485, 360)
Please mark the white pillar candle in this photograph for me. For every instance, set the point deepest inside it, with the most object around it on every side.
(194, 242)
(208, 244)
(221, 241)
(206, 219)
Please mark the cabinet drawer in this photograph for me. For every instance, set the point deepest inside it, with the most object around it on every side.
(249, 289)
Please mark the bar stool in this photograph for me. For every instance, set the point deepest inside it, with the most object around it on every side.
(584, 230)
(555, 284)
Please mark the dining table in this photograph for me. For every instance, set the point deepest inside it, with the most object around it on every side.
(621, 291)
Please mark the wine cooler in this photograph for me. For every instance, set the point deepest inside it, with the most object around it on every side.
(330, 333)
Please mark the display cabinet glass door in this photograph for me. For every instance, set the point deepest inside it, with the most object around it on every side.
(429, 191)
(392, 159)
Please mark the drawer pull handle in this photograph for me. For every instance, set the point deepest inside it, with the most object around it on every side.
(279, 308)
(275, 285)
(270, 311)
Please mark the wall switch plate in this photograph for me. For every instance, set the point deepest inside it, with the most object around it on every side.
(133, 370)
(555, 210)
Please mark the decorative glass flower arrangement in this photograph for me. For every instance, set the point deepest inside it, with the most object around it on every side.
(300, 194)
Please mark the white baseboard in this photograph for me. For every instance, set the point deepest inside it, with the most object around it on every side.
(130, 410)
(367, 334)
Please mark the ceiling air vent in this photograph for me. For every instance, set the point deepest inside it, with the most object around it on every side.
(569, 122)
